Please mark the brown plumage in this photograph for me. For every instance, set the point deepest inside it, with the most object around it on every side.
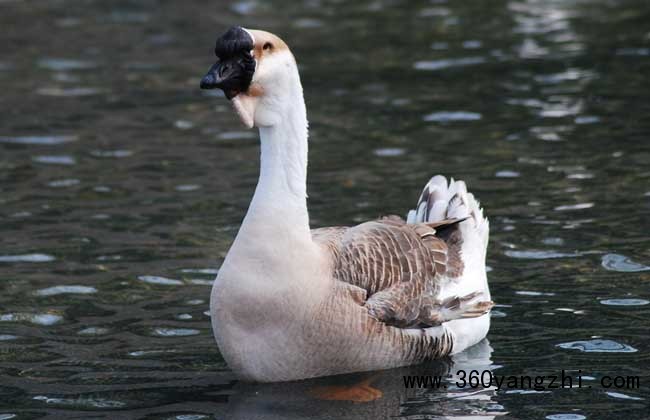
(401, 268)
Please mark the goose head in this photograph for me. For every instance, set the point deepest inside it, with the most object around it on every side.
(257, 72)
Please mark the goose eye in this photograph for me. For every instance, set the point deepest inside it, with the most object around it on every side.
(267, 46)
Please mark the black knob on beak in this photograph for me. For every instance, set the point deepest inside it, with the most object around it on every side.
(234, 70)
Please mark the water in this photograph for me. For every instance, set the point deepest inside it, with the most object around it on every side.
(122, 186)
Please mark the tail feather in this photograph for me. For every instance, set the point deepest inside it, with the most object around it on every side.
(468, 306)
(441, 200)
(466, 299)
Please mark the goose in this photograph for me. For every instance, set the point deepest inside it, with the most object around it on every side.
(291, 302)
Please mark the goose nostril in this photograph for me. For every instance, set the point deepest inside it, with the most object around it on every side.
(224, 69)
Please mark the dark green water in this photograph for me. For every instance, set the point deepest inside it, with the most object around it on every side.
(122, 186)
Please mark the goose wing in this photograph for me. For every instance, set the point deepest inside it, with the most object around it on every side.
(400, 269)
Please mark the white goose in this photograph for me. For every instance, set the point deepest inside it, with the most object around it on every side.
(292, 303)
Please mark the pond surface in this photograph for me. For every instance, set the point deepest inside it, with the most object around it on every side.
(122, 185)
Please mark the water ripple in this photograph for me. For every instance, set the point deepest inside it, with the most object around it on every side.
(63, 183)
(598, 346)
(183, 124)
(39, 140)
(202, 282)
(175, 332)
(83, 402)
(625, 302)
(94, 331)
(62, 64)
(32, 258)
(433, 65)
(39, 319)
(540, 254)
(617, 262)
(569, 75)
(236, 135)
(472, 44)
(586, 119)
(533, 293)
(73, 91)
(140, 353)
(111, 153)
(60, 290)
(187, 187)
(389, 151)
(634, 51)
(579, 206)
(449, 116)
(160, 280)
(195, 302)
(507, 174)
(308, 23)
(622, 396)
(7, 337)
(213, 271)
(434, 12)
(244, 7)
(553, 241)
(55, 160)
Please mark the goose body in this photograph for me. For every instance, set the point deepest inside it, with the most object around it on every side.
(292, 303)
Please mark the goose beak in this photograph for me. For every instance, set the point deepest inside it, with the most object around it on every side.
(210, 80)
(223, 75)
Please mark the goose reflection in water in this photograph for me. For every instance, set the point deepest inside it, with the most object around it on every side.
(374, 395)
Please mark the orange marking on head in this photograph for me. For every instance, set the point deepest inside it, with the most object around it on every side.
(266, 43)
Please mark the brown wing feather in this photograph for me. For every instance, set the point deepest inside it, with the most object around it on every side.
(399, 265)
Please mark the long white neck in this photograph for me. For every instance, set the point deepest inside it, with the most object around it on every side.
(279, 206)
